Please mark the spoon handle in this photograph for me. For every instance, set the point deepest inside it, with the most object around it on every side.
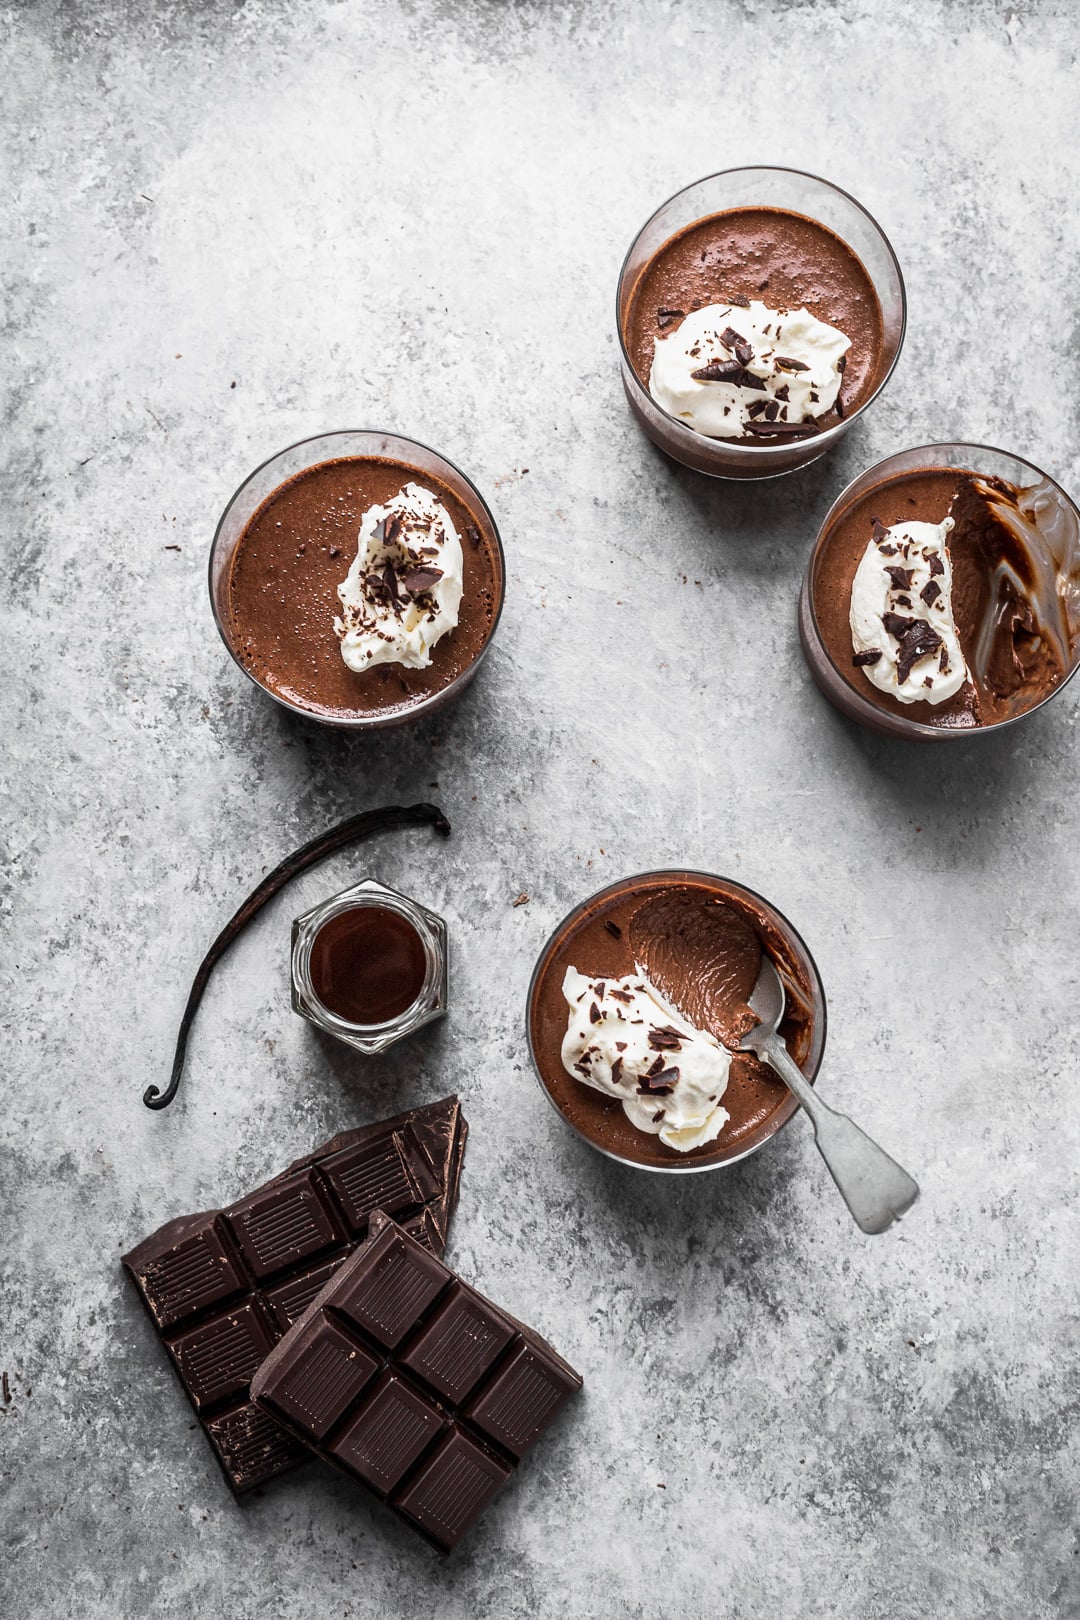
(873, 1186)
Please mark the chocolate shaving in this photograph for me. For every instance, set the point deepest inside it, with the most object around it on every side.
(595, 1014)
(897, 625)
(317, 849)
(901, 577)
(936, 564)
(755, 407)
(870, 656)
(943, 660)
(730, 338)
(473, 533)
(919, 640)
(783, 393)
(784, 362)
(772, 411)
(390, 581)
(616, 1070)
(658, 1083)
(415, 581)
(664, 317)
(739, 301)
(784, 430)
(662, 1038)
(613, 928)
(744, 352)
(392, 527)
(717, 371)
(930, 592)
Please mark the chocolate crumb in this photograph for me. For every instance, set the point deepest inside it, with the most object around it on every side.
(335, 551)
(473, 533)
(616, 1070)
(717, 371)
(613, 928)
(6, 1388)
(783, 393)
(739, 301)
(662, 1038)
(664, 317)
(936, 564)
(930, 592)
(415, 581)
(595, 1014)
(943, 661)
(657, 1117)
(172, 548)
(522, 899)
(870, 656)
(784, 362)
(901, 577)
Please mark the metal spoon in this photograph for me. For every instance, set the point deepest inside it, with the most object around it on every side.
(874, 1187)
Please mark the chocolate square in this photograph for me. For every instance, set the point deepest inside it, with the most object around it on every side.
(198, 1271)
(283, 1224)
(397, 1284)
(517, 1405)
(459, 1344)
(251, 1447)
(452, 1489)
(388, 1434)
(217, 1359)
(391, 1177)
(289, 1300)
(328, 1373)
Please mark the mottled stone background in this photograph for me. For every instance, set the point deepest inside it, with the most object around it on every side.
(229, 226)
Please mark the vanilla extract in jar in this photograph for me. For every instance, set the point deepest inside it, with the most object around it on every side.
(369, 965)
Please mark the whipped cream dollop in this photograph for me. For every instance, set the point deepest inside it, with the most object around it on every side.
(730, 369)
(902, 626)
(403, 590)
(623, 1039)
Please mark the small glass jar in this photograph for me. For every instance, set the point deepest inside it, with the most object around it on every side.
(428, 1003)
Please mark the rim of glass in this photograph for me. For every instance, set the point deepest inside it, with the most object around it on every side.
(919, 728)
(830, 435)
(367, 720)
(693, 1167)
(336, 905)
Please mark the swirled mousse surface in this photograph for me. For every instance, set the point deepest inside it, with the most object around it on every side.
(705, 979)
(1015, 589)
(761, 255)
(293, 554)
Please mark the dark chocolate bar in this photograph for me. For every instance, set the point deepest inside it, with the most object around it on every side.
(411, 1382)
(223, 1286)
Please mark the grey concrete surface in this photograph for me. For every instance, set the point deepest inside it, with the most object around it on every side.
(232, 225)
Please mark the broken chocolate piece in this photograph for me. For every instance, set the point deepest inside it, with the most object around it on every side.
(901, 577)
(916, 642)
(930, 592)
(896, 624)
(408, 1380)
(784, 362)
(739, 300)
(870, 656)
(415, 581)
(662, 1038)
(664, 317)
(613, 928)
(936, 564)
(658, 1082)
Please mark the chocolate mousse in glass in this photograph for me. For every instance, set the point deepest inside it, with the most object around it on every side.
(760, 311)
(406, 536)
(942, 596)
(642, 991)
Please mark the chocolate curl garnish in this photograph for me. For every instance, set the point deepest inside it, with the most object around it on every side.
(317, 849)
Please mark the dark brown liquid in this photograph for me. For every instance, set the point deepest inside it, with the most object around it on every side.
(756, 1100)
(292, 556)
(782, 258)
(367, 965)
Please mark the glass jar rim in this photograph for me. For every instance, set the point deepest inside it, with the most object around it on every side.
(382, 898)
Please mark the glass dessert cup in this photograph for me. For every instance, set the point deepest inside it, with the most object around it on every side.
(596, 1117)
(299, 458)
(833, 681)
(431, 999)
(765, 187)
